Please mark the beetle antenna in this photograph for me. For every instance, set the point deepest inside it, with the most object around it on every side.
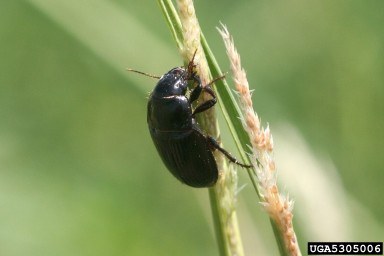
(143, 73)
(191, 65)
(216, 79)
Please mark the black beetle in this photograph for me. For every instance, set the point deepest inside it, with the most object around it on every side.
(185, 150)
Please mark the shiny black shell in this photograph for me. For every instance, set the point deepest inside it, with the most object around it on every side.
(181, 145)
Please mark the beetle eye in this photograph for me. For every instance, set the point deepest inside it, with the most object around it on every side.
(176, 84)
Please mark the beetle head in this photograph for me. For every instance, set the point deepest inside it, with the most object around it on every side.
(173, 83)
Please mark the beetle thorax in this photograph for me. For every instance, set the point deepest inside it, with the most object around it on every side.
(169, 113)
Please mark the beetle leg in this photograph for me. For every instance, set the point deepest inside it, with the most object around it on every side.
(213, 143)
(197, 90)
(208, 104)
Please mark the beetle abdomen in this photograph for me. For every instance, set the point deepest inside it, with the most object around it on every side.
(187, 156)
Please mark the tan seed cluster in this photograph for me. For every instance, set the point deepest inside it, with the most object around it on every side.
(277, 205)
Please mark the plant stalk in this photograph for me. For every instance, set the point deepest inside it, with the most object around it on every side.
(222, 195)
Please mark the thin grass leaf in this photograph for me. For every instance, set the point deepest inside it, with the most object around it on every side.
(173, 21)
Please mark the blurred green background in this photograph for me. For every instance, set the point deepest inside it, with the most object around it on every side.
(79, 174)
